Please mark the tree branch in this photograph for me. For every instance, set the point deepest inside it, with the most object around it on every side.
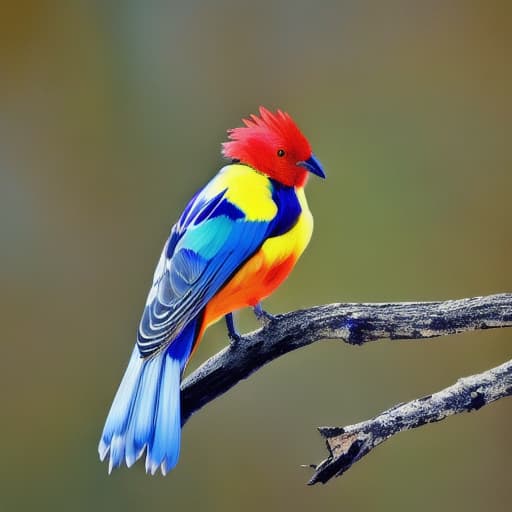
(353, 323)
(357, 324)
(349, 444)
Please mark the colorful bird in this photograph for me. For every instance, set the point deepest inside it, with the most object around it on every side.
(235, 243)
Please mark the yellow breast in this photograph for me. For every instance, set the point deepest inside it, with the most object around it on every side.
(264, 271)
(293, 242)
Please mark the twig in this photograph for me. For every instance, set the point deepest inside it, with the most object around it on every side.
(349, 444)
(353, 323)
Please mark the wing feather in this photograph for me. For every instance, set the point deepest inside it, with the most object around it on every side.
(211, 240)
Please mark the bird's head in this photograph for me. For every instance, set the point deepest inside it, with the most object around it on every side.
(273, 144)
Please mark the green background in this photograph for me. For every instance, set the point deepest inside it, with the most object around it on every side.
(112, 115)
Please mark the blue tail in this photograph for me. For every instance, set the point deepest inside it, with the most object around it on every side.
(145, 413)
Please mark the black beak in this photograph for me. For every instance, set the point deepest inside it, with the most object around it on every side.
(313, 166)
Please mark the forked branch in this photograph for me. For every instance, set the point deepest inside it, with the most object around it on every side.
(347, 445)
(355, 324)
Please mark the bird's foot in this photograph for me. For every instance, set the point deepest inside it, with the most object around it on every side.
(234, 336)
(263, 316)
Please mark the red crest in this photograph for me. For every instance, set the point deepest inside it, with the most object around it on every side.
(271, 144)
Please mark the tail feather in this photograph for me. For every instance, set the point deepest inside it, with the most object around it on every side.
(142, 419)
(121, 406)
(164, 449)
(145, 413)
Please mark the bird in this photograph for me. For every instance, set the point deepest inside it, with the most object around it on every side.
(236, 241)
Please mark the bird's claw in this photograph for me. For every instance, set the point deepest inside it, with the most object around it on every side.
(263, 316)
(234, 336)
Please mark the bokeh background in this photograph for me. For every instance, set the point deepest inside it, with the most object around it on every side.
(111, 116)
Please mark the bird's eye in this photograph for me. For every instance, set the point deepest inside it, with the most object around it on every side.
(281, 152)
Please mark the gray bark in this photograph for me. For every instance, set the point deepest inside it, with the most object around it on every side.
(347, 445)
(355, 324)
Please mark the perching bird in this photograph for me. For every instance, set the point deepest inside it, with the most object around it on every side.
(235, 243)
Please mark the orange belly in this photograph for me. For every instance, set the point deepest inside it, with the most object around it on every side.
(263, 273)
(256, 280)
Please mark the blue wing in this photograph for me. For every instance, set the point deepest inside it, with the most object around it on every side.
(211, 240)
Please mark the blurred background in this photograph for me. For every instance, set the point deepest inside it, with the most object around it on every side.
(112, 115)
